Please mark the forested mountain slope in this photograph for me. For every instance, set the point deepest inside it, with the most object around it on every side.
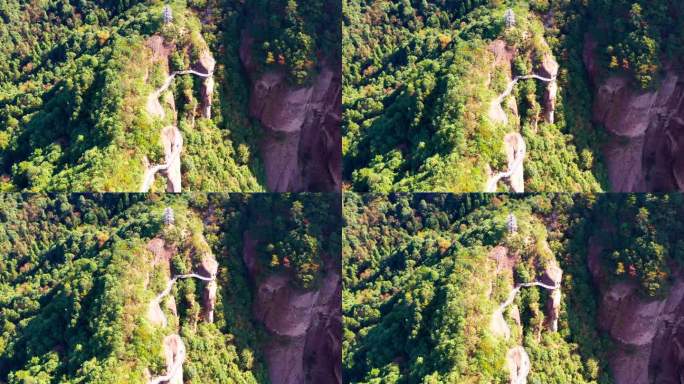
(146, 288)
(78, 109)
(431, 95)
(500, 289)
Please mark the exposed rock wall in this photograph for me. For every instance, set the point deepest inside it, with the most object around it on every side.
(518, 363)
(648, 332)
(173, 346)
(206, 64)
(209, 268)
(549, 69)
(301, 148)
(646, 129)
(306, 326)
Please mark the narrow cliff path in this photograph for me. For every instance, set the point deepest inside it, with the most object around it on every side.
(173, 344)
(514, 143)
(515, 81)
(517, 360)
(514, 292)
(171, 138)
(516, 149)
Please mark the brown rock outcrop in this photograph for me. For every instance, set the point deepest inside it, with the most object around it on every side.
(648, 332)
(553, 310)
(646, 129)
(160, 250)
(208, 268)
(518, 363)
(206, 64)
(209, 301)
(309, 329)
(301, 149)
(550, 95)
(553, 274)
(549, 66)
(306, 326)
(162, 254)
(504, 261)
(549, 69)
(174, 352)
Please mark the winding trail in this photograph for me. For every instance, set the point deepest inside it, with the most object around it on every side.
(514, 292)
(518, 362)
(175, 370)
(515, 81)
(173, 343)
(514, 143)
(171, 138)
(516, 150)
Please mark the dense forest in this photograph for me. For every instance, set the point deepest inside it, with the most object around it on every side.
(420, 77)
(77, 272)
(423, 274)
(74, 76)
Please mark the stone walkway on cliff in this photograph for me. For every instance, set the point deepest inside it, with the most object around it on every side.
(171, 138)
(516, 149)
(174, 347)
(514, 143)
(517, 360)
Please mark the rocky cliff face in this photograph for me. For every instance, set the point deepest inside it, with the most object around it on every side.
(306, 326)
(648, 332)
(209, 268)
(646, 129)
(206, 64)
(504, 56)
(551, 276)
(301, 148)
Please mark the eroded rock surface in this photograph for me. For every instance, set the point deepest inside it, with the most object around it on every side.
(208, 268)
(162, 254)
(306, 326)
(648, 332)
(518, 363)
(174, 353)
(301, 149)
(206, 64)
(646, 129)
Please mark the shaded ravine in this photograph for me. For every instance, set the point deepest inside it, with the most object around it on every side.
(175, 368)
(171, 138)
(514, 144)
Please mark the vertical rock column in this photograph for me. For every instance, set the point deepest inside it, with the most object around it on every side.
(518, 363)
(206, 65)
(209, 268)
(549, 69)
(553, 275)
(174, 349)
(209, 301)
